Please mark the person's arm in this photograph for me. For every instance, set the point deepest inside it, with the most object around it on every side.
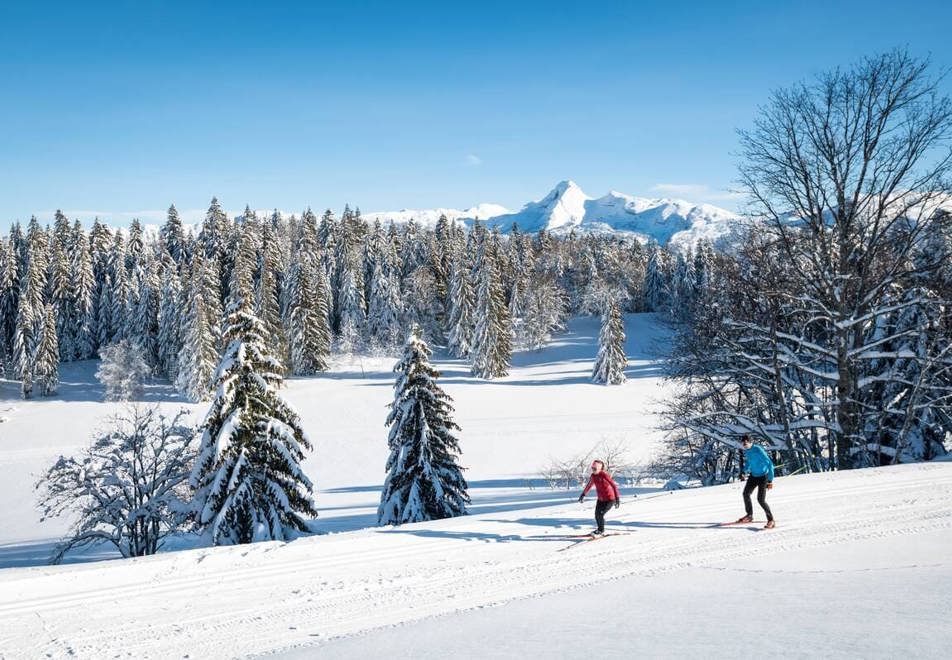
(770, 470)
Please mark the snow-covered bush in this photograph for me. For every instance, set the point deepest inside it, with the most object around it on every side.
(573, 471)
(128, 488)
(122, 371)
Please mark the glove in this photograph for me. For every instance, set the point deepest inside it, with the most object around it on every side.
(617, 503)
(581, 499)
(742, 477)
(769, 485)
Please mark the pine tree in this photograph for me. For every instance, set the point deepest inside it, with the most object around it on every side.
(170, 330)
(383, 317)
(104, 308)
(308, 330)
(196, 363)
(610, 362)
(492, 341)
(462, 324)
(46, 369)
(247, 477)
(655, 281)
(24, 342)
(267, 308)
(241, 286)
(350, 309)
(38, 262)
(119, 315)
(82, 313)
(61, 289)
(9, 298)
(544, 310)
(144, 311)
(424, 481)
(172, 236)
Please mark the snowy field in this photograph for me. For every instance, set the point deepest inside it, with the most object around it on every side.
(859, 565)
(547, 407)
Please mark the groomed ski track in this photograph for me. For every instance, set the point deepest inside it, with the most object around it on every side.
(270, 597)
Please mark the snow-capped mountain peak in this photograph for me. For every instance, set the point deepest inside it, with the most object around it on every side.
(567, 208)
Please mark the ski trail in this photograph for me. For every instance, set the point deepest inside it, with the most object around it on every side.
(232, 601)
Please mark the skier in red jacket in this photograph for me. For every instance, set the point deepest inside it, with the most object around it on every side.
(607, 491)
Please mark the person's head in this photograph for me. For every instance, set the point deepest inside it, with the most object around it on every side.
(746, 442)
(597, 466)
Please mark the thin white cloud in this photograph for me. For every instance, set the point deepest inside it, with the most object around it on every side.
(697, 191)
(473, 159)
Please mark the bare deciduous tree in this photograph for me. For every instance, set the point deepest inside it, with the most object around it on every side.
(847, 174)
(127, 488)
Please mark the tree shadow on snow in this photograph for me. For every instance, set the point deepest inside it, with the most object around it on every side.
(78, 383)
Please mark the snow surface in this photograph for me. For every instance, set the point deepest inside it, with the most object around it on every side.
(567, 208)
(547, 407)
(855, 553)
(859, 564)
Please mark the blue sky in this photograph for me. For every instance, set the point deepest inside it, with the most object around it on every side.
(123, 108)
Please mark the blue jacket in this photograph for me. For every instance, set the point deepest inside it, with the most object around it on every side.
(758, 462)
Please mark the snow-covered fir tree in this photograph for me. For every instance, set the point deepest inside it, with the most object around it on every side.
(169, 338)
(248, 481)
(383, 315)
(172, 235)
(46, 362)
(492, 339)
(198, 357)
(424, 480)
(544, 312)
(610, 362)
(308, 330)
(61, 288)
(119, 294)
(461, 319)
(267, 307)
(655, 288)
(82, 313)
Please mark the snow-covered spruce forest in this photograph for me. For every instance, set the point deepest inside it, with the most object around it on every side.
(319, 287)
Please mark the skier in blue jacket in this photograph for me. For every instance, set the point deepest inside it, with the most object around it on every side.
(758, 464)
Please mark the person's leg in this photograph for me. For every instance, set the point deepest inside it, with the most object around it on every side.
(748, 489)
(600, 509)
(762, 498)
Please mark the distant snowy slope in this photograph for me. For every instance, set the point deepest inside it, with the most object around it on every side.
(429, 217)
(567, 208)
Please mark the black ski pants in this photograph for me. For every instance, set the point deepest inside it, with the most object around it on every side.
(760, 483)
(601, 508)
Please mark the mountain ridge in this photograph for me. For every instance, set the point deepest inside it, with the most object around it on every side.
(568, 208)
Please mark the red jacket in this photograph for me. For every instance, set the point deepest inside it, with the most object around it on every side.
(605, 486)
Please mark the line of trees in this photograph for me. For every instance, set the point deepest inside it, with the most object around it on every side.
(319, 286)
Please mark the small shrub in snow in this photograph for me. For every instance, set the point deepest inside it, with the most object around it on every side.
(573, 471)
(127, 488)
(122, 371)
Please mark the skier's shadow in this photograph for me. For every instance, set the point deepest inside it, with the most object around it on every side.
(577, 524)
(486, 537)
